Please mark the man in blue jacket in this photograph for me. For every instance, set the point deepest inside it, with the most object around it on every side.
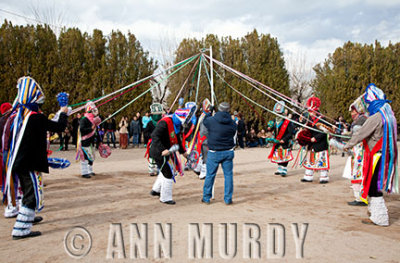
(221, 131)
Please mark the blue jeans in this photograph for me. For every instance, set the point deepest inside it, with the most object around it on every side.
(135, 139)
(112, 135)
(225, 158)
(252, 144)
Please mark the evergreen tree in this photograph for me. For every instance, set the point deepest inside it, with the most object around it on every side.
(86, 66)
(70, 74)
(348, 71)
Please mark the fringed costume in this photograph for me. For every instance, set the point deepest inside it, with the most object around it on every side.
(281, 152)
(87, 139)
(358, 111)
(10, 210)
(201, 142)
(26, 153)
(156, 111)
(188, 137)
(165, 142)
(379, 137)
(317, 158)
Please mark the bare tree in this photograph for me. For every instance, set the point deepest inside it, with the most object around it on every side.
(49, 13)
(165, 55)
(300, 74)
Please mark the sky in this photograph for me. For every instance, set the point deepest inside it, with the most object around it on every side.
(307, 30)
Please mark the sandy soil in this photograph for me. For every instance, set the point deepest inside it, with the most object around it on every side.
(119, 193)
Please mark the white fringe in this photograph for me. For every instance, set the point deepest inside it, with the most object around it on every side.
(166, 190)
(84, 167)
(379, 212)
(24, 221)
(158, 183)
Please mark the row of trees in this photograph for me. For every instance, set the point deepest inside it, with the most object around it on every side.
(347, 72)
(86, 66)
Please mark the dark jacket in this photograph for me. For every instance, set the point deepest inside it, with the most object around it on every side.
(241, 128)
(32, 153)
(251, 137)
(135, 127)
(3, 120)
(322, 140)
(221, 130)
(160, 141)
(75, 125)
(287, 136)
(110, 125)
(85, 127)
(149, 128)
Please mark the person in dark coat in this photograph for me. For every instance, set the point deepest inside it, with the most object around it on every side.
(139, 118)
(110, 127)
(75, 127)
(135, 130)
(241, 131)
(66, 136)
(252, 139)
(221, 132)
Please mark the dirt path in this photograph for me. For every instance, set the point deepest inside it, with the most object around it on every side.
(119, 194)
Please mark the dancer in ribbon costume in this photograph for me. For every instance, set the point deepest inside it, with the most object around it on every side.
(156, 111)
(201, 141)
(6, 108)
(188, 135)
(26, 153)
(281, 152)
(358, 114)
(88, 133)
(317, 158)
(165, 141)
(379, 136)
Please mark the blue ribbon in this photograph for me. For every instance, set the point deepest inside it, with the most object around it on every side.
(177, 123)
(31, 106)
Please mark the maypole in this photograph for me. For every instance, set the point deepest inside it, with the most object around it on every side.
(165, 78)
(184, 84)
(211, 76)
(198, 80)
(273, 112)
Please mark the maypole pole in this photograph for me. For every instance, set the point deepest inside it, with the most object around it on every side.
(211, 76)
(198, 80)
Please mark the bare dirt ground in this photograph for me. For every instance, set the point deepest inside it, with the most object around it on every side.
(119, 193)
